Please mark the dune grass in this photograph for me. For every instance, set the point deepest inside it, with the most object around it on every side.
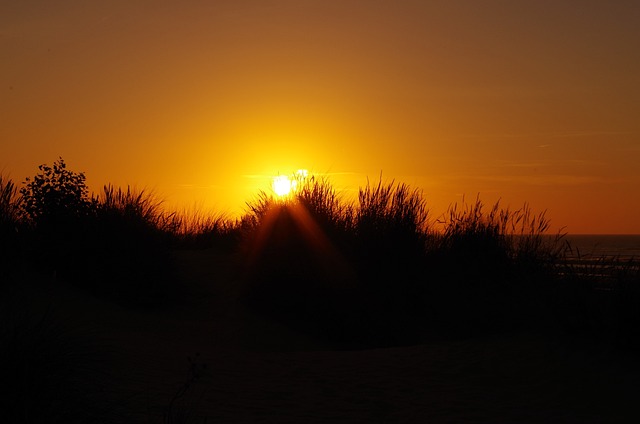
(9, 202)
(9, 222)
(474, 273)
(473, 270)
(197, 229)
(378, 269)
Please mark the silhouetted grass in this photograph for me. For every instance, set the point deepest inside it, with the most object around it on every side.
(480, 272)
(293, 248)
(127, 246)
(390, 226)
(9, 203)
(117, 243)
(9, 226)
(374, 271)
(494, 268)
(195, 229)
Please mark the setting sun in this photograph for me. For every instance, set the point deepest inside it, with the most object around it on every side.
(282, 185)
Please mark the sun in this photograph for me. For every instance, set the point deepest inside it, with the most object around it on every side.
(284, 185)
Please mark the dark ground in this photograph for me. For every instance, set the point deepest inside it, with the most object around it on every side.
(248, 368)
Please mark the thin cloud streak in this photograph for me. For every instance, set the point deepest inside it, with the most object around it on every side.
(537, 180)
(546, 135)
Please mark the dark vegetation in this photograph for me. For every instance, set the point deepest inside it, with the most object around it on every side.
(382, 273)
(376, 272)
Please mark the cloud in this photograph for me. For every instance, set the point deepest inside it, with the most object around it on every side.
(542, 180)
(546, 135)
(526, 164)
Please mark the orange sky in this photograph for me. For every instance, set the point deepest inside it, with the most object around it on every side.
(204, 101)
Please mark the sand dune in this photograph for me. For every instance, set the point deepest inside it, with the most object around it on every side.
(260, 371)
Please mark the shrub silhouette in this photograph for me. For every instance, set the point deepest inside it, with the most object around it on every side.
(56, 205)
(56, 195)
(116, 243)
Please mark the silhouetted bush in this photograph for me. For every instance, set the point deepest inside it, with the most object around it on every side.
(56, 207)
(116, 243)
(56, 196)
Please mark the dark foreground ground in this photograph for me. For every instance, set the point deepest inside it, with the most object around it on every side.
(208, 358)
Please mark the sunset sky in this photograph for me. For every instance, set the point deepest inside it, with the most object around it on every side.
(206, 101)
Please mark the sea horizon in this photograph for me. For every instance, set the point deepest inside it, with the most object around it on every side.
(607, 245)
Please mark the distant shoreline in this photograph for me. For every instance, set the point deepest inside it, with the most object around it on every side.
(622, 245)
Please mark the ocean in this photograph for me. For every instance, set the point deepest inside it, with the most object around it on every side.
(604, 246)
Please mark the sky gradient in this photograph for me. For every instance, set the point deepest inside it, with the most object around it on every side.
(206, 101)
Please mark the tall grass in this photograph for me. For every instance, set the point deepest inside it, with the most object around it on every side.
(9, 222)
(119, 242)
(136, 207)
(143, 210)
(127, 246)
(491, 268)
(370, 269)
(519, 237)
(471, 270)
(371, 246)
(257, 210)
(198, 229)
(131, 238)
(325, 205)
(9, 203)
(391, 207)
(391, 224)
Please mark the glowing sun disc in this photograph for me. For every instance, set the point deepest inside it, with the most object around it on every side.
(282, 185)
